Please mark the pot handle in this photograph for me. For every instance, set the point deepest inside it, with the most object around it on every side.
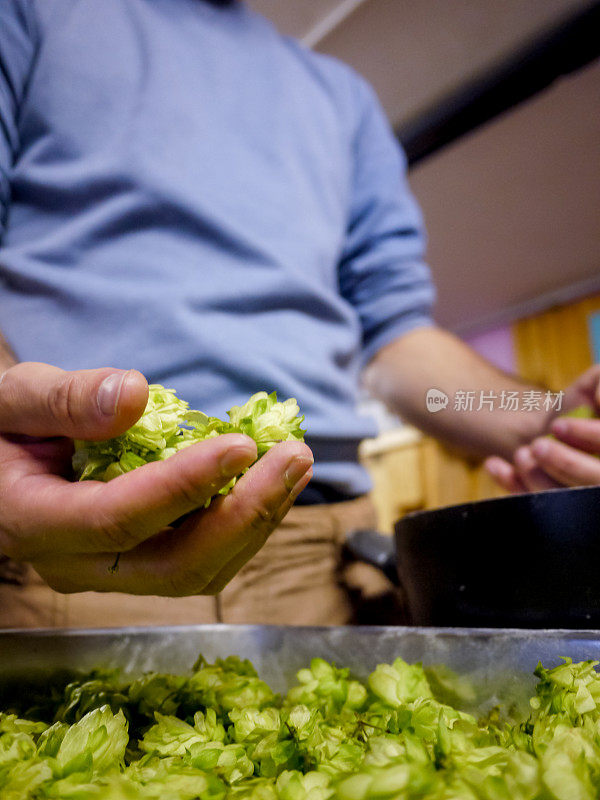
(377, 549)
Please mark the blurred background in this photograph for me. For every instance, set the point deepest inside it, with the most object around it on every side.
(496, 104)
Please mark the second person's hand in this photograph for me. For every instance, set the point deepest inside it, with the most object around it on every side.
(567, 458)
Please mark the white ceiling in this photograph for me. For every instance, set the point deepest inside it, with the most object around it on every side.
(414, 51)
(512, 210)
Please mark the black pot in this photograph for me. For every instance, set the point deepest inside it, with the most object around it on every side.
(525, 561)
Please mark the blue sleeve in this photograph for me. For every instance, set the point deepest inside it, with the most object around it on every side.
(17, 51)
(382, 271)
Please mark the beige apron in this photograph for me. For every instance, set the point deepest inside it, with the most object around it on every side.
(298, 578)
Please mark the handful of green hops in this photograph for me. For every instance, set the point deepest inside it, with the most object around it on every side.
(168, 425)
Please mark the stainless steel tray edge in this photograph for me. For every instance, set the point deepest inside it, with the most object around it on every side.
(278, 652)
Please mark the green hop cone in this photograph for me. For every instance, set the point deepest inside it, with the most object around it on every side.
(267, 420)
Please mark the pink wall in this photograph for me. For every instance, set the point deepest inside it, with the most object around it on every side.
(497, 346)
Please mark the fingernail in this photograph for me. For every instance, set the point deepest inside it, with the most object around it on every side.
(523, 457)
(491, 467)
(109, 392)
(560, 427)
(234, 461)
(296, 469)
(540, 447)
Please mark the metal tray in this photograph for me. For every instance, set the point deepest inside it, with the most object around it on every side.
(500, 661)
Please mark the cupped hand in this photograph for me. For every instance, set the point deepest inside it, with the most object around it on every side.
(570, 457)
(72, 532)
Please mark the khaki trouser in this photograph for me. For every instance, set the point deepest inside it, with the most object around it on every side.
(297, 578)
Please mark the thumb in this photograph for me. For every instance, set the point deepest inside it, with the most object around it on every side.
(42, 400)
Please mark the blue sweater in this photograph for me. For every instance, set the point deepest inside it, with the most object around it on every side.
(186, 192)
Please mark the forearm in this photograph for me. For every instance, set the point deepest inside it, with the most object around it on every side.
(402, 373)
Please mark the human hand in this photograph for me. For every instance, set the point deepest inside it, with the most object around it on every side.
(568, 459)
(72, 532)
